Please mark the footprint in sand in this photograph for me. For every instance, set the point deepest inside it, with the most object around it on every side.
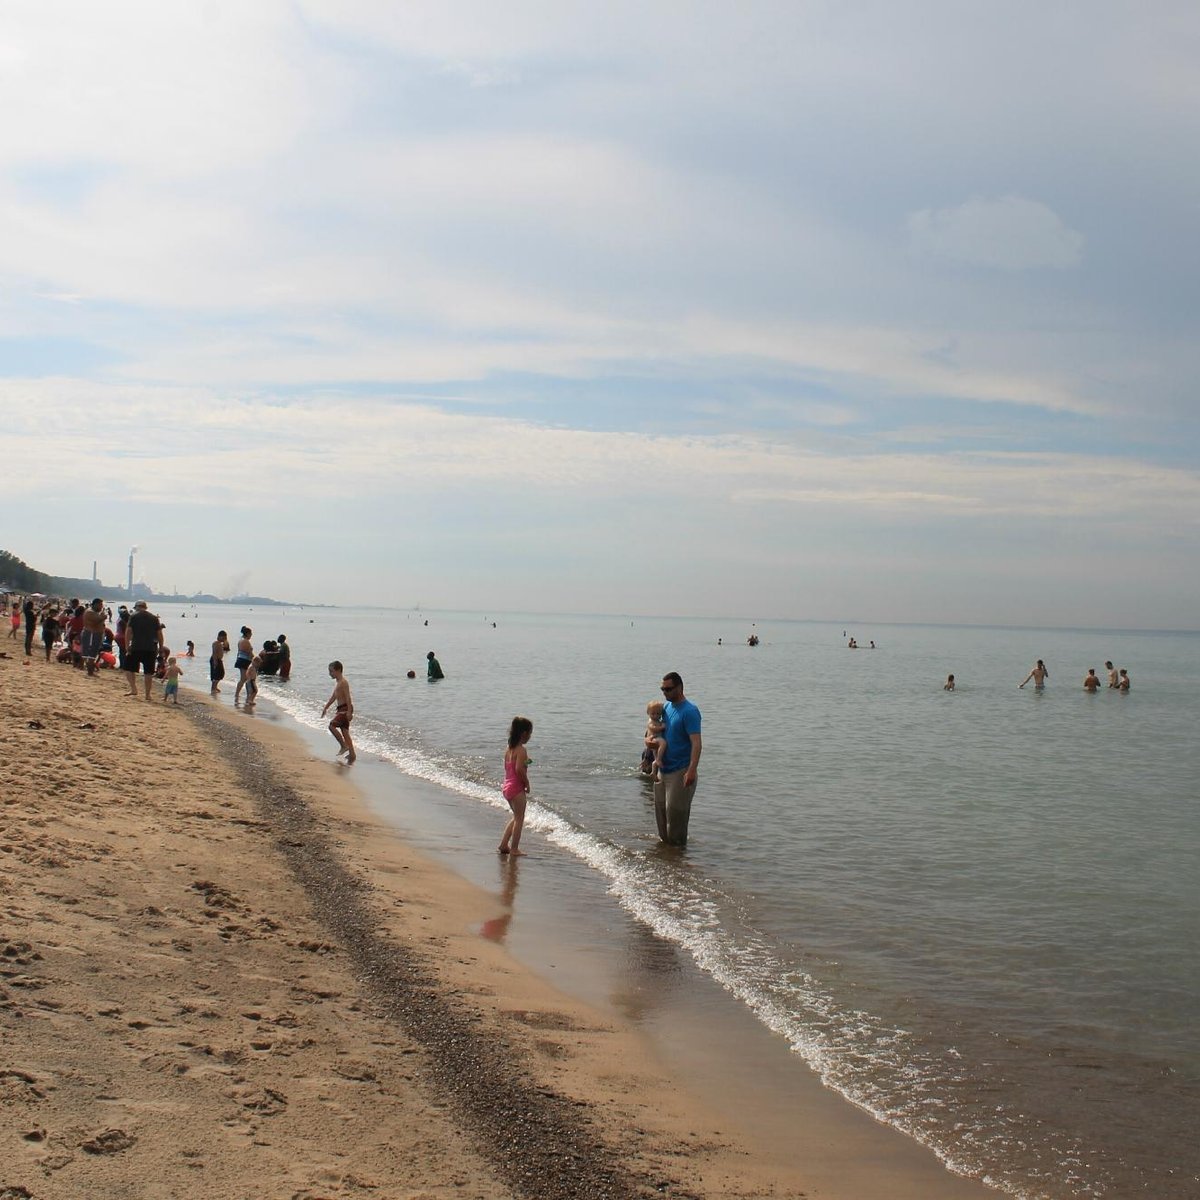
(111, 1141)
(21, 1085)
(21, 953)
(267, 1103)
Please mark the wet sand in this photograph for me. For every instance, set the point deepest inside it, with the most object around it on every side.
(221, 974)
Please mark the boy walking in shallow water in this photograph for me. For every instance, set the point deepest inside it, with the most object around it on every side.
(340, 725)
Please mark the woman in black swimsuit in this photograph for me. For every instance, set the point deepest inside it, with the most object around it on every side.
(244, 654)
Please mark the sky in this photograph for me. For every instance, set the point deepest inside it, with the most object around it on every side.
(839, 310)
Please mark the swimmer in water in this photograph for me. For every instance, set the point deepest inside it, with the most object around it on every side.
(1039, 675)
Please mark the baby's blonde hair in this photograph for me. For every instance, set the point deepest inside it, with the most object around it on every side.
(654, 708)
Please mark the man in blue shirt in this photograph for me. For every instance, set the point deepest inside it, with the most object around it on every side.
(677, 779)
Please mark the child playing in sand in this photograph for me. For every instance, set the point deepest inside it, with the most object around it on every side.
(340, 725)
(655, 739)
(516, 784)
(171, 681)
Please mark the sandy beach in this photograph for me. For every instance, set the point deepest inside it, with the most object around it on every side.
(222, 976)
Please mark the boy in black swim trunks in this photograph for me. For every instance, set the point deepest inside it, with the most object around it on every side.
(340, 725)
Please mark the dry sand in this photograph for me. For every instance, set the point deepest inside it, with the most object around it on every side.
(221, 977)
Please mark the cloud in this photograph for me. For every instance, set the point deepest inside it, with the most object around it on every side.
(1060, 487)
(176, 89)
(210, 452)
(1007, 234)
(651, 252)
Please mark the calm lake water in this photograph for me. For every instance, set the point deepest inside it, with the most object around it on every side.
(974, 914)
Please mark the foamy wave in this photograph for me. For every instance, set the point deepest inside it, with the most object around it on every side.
(852, 1052)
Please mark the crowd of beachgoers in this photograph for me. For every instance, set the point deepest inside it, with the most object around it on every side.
(94, 637)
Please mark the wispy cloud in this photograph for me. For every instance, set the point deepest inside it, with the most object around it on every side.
(196, 450)
(797, 275)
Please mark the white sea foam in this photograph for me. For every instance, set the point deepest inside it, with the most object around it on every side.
(849, 1050)
(880, 872)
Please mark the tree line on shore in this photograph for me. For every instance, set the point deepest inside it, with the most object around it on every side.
(21, 577)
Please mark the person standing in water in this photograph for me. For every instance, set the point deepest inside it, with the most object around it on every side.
(434, 670)
(216, 661)
(1091, 681)
(340, 725)
(516, 784)
(252, 682)
(1039, 675)
(245, 653)
(676, 783)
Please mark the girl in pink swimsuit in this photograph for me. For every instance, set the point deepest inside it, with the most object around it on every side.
(516, 784)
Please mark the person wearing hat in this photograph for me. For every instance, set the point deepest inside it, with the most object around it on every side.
(144, 638)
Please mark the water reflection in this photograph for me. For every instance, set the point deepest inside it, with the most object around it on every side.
(495, 929)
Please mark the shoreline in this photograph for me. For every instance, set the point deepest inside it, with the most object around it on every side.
(520, 1090)
(401, 984)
